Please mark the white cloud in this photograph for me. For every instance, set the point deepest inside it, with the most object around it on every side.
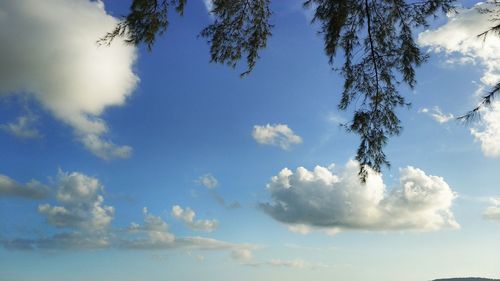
(49, 51)
(295, 263)
(335, 118)
(187, 216)
(82, 204)
(154, 234)
(23, 127)
(86, 222)
(323, 199)
(242, 254)
(488, 132)
(31, 190)
(459, 38)
(278, 135)
(209, 5)
(437, 114)
(208, 181)
(493, 212)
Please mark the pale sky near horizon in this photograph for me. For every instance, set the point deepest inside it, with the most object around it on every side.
(123, 164)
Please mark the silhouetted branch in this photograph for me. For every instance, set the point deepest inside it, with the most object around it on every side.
(485, 102)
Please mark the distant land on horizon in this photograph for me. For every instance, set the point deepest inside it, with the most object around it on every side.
(466, 279)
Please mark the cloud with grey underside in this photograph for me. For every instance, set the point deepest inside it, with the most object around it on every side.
(49, 54)
(82, 220)
(333, 199)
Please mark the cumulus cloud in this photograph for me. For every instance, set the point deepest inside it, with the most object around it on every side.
(488, 131)
(437, 114)
(31, 190)
(49, 52)
(82, 204)
(277, 135)
(187, 216)
(493, 212)
(335, 201)
(208, 181)
(459, 41)
(86, 222)
(154, 233)
(23, 127)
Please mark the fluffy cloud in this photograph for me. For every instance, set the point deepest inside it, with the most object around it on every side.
(323, 199)
(187, 216)
(488, 132)
(459, 36)
(493, 212)
(86, 221)
(82, 204)
(208, 181)
(49, 51)
(278, 135)
(31, 190)
(154, 233)
(437, 114)
(23, 127)
(458, 39)
(155, 230)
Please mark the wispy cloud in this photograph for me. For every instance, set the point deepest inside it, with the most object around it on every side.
(211, 182)
(30, 190)
(294, 263)
(24, 127)
(437, 114)
(493, 211)
(222, 202)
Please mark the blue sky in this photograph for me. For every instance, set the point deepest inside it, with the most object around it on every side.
(118, 163)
